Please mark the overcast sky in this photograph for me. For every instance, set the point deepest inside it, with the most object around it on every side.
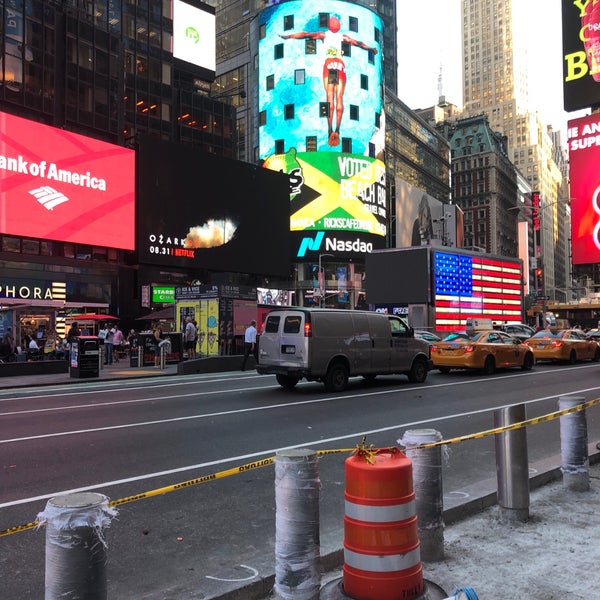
(429, 35)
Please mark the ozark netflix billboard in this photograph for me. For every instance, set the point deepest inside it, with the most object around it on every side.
(584, 175)
(201, 211)
(58, 185)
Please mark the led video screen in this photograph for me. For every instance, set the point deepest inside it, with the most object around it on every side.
(581, 54)
(584, 175)
(321, 117)
(475, 286)
(194, 36)
(198, 210)
(58, 185)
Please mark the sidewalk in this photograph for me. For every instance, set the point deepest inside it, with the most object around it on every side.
(120, 370)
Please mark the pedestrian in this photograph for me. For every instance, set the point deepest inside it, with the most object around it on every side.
(250, 344)
(156, 340)
(117, 343)
(190, 334)
(109, 345)
(71, 334)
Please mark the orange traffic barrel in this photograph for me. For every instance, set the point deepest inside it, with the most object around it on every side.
(382, 559)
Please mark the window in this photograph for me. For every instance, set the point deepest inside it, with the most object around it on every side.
(353, 24)
(324, 20)
(270, 82)
(311, 143)
(323, 109)
(262, 118)
(279, 146)
(299, 76)
(347, 145)
(310, 46)
(354, 112)
(371, 150)
(278, 51)
(288, 111)
(288, 22)
(364, 82)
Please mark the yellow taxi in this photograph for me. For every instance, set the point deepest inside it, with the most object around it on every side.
(485, 350)
(567, 345)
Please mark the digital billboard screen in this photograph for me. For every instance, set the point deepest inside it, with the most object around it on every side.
(199, 210)
(584, 174)
(62, 186)
(194, 36)
(321, 117)
(581, 53)
(475, 286)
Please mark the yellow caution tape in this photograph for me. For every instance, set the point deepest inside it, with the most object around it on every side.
(369, 453)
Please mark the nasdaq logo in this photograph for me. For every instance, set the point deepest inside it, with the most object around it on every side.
(310, 244)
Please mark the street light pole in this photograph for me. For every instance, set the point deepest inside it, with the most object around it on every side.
(321, 280)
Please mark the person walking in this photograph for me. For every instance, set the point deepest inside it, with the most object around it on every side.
(157, 338)
(118, 340)
(190, 337)
(250, 345)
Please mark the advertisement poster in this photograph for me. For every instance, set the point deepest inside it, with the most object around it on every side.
(58, 185)
(581, 53)
(584, 174)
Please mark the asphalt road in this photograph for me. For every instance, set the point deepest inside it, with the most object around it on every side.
(122, 439)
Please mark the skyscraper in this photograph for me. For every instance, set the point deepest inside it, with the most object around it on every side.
(494, 37)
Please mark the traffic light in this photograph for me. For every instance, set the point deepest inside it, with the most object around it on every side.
(539, 275)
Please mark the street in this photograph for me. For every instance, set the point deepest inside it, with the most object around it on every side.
(122, 439)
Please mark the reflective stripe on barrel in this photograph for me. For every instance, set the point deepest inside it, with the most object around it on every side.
(381, 544)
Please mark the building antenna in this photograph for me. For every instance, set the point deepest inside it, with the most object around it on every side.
(441, 97)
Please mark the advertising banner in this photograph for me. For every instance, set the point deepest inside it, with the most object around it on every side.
(584, 175)
(58, 185)
(321, 117)
(202, 211)
(581, 53)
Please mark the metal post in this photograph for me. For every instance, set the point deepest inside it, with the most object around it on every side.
(140, 354)
(297, 486)
(512, 465)
(75, 546)
(574, 445)
(163, 356)
(427, 482)
(100, 355)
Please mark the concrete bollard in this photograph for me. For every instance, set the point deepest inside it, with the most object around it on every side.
(297, 546)
(574, 445)
(429, 497)
(512, 465)
(75, 546)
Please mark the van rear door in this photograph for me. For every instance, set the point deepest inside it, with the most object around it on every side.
(282, 341)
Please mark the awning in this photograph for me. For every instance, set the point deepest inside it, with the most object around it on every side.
(92, 317)
(159, 315)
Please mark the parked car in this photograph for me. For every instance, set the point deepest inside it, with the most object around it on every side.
(569, 345)
(485, 350)
(427, 336)
(518, 330)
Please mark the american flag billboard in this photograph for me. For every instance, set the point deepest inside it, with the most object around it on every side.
(475, 286)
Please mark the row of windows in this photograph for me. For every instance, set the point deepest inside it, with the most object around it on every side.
(35, 247)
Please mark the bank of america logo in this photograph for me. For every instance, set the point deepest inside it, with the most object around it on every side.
(48, 197)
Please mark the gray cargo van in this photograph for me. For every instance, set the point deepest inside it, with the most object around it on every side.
(330, 345)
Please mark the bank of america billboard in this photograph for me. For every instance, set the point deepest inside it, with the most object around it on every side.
(321, 121)
(584, 177)
(58, 185)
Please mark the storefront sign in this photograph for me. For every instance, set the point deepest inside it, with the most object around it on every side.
(25, 292)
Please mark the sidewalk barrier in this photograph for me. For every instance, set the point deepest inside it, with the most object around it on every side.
(297, 557)
(429, 494)
(512, 465)
(381, 544)
(574, 445)
(75, 546)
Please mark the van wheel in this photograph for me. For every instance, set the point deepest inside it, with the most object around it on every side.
(336, 379)
(418, 371)
(287, 381)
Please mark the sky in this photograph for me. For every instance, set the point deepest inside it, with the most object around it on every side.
(429, 35)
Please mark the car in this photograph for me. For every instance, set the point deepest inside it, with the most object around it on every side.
(565, 345)
(485, 350)
(518, 330)
(427, 336)
(593, 334)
